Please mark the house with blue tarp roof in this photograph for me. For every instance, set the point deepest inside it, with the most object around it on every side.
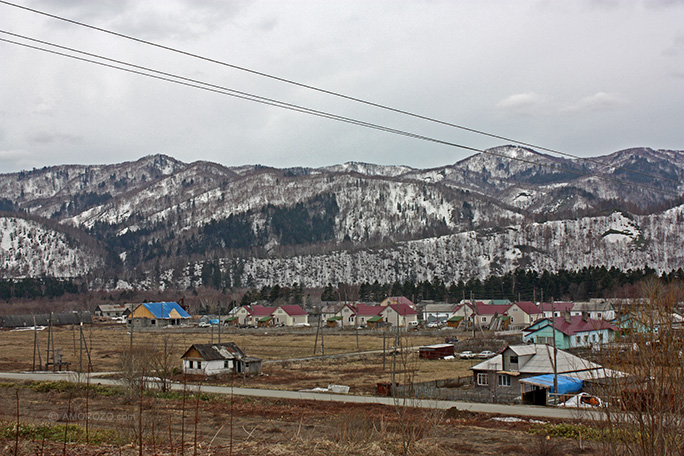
(566, 384)
(158, 314)
(504, 375)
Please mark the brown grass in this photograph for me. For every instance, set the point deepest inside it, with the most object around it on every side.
(360, 372)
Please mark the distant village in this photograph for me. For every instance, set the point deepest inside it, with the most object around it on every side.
(540, 360)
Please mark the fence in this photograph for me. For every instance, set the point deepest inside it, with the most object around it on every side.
(58, 318)
(456, 389)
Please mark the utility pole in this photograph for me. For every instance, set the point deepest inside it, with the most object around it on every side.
(219, 326)
(555, 349)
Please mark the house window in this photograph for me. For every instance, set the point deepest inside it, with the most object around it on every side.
(504, 380)
(225, 364)
(484, 319)
(199, 364)
(514, 359)
(482, 379)
(153, 322)
(189, 364)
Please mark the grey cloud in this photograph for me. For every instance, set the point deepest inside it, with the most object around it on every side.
(44, 137)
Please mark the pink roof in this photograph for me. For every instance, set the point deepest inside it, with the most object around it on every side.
(403, 309)
(293, 310)
(368, 311)
(257, 310)
(557, 306)
(528, 307)
(577, 324)
(490, 309)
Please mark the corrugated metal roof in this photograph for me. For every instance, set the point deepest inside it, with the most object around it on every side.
(163, 310)
(212, 352)
(541, 361)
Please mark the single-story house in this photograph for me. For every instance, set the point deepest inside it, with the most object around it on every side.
(223, 358)
(113, 310)
(502, 374)
(597, 309)
(250, 315)
(438, 313)
(156, 314)
(399, 314)
(556, 309)
(290, 315)
(570, 332)
(485, 314)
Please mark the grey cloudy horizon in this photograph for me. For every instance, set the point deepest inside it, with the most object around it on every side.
(586, 77)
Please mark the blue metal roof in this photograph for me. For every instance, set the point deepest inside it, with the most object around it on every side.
(163, 309)
(566, 385)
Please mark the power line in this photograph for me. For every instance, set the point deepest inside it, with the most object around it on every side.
(329, 92)
(189, 82)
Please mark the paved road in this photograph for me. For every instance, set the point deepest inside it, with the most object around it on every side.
(511, 410)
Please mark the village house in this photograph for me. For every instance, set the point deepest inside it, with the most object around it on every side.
(158, 314)
(344, 317)
(485, 314)
(597, 309)
(290, 315)
(223, 358)
(250, 315)
(438, 312)
(366, 312)
(398, 300)
(524, 313)
(399, 314)
(353, 315)
(570, 331)
(555, 309)
(501, 376)
(331, 310)
(465, 310)
(113, 310)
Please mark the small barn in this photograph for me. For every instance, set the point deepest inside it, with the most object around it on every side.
(223, 358)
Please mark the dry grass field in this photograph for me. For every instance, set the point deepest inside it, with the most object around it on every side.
(172, 425)
(361, 372)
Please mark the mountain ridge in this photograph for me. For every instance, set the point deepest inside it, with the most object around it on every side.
(158, 214)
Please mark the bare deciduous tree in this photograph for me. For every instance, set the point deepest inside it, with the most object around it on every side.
(645, 409)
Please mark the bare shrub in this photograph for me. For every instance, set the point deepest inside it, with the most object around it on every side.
(645, 410)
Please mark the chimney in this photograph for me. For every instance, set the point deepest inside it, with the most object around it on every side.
(566, 315)
(585, 316)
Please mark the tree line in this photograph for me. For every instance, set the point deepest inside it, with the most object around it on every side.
(584, 284)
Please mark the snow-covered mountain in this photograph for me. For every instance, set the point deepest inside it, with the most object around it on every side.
(160, 219)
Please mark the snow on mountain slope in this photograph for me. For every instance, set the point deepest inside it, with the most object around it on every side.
(29, 249)
(656, 241)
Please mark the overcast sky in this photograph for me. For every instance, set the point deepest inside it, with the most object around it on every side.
(584, 77)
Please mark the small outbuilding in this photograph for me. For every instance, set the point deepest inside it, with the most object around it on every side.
(223, 358)
(437, 351)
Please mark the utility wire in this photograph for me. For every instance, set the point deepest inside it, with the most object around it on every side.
(169, 77)
(330, 92)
